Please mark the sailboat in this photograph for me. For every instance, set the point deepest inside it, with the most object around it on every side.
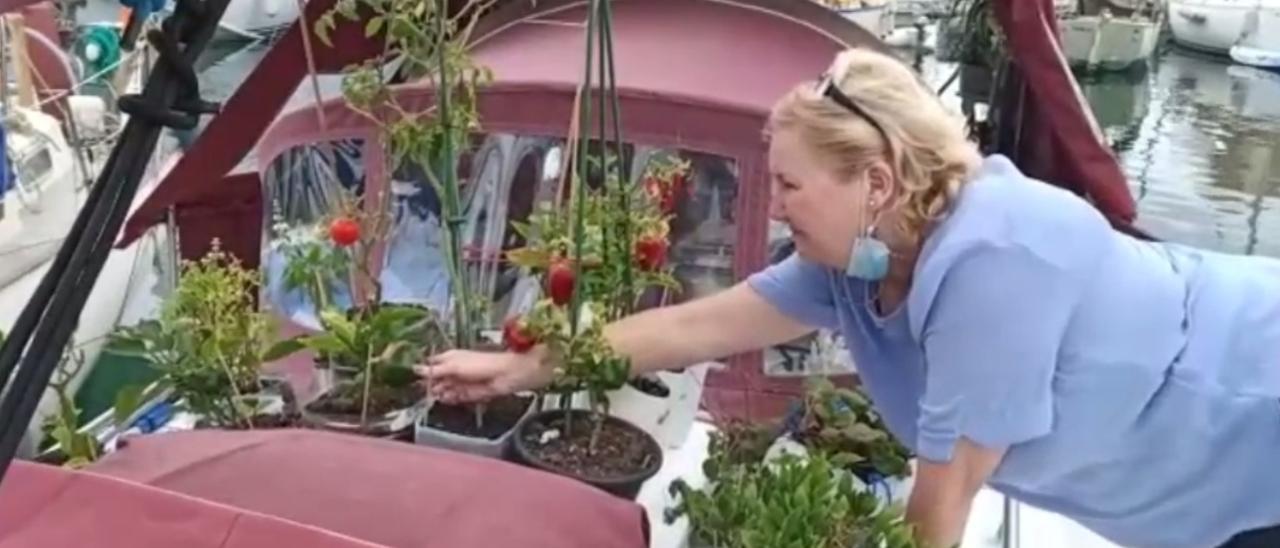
(1111, 35)
(1259, 43)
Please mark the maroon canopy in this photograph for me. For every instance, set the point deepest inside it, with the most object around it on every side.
(47, 507)
(385, 492)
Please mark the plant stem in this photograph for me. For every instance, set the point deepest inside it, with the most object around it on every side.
(322, 301)
(598, 419)
(566, 403)
(453, 218)
(368, 380)
(479, 410)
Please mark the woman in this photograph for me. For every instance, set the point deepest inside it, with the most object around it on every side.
(1006, 333)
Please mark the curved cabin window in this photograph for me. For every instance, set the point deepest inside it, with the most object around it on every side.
(502, 181)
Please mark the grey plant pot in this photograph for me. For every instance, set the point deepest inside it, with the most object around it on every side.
(424, 434)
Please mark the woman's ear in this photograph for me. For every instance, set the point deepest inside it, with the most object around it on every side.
(880, 187)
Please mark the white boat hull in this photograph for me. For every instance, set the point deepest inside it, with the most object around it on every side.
(255, 19)
(1260, 44)
(41, 204)
(1094, 42)
(1261, 58)
(1209, 25)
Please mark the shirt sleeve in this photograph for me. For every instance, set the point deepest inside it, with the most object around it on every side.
(991, 342)
(800, 289)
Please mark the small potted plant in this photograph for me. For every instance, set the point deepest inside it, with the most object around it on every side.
(367, 352)
(664, 404)
(791, 501)
(841, 423)
(598, 259)
(759, 496)
(209, 343)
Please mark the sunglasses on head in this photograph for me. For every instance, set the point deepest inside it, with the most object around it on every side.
(828, 89)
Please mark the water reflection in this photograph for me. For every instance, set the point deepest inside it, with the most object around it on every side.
(1197, 137)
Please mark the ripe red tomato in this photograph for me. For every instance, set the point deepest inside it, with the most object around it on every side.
(344, 232)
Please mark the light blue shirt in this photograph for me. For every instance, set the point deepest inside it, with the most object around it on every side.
(1136, 384)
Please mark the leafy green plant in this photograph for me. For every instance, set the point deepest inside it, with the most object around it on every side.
(209, 340)
(738, 442)
(384, 340)
(789, 503)
(79, 449)
(842, 424)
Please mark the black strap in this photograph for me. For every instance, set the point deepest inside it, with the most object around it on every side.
(170, 98)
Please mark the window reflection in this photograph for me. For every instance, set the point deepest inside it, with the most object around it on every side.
(506, 178)
(704, 229)
(303, 186)
(414, 270)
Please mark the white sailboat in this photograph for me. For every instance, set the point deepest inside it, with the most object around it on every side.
(1259, 44)
(1115, 36)
(1212, 26)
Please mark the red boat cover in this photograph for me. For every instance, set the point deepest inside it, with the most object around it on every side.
(1060, 142)
(386, 492)
(46, 507)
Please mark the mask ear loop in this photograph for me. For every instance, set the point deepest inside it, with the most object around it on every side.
(871, 297)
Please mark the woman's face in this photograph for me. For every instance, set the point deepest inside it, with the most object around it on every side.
(824, 212)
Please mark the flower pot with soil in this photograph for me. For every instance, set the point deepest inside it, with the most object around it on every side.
(601, 450)
(385, 341)
(390, 410)
(274, 405)
(483, 429)
(479, 429)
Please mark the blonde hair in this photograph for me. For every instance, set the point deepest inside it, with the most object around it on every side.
(924, 142)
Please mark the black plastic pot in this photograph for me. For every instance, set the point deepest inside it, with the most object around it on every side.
(626, 487)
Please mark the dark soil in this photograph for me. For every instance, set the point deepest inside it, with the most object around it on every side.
(652, 386)
(500, 416)
(620, 451)
(264, 422)
(345, 401)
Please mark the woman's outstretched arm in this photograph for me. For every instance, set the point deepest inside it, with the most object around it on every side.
(730, 322)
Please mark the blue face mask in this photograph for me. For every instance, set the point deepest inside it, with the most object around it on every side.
(868, 258)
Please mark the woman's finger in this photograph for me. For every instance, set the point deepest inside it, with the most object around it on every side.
(437, 371)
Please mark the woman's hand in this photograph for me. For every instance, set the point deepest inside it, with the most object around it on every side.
(468, 376)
